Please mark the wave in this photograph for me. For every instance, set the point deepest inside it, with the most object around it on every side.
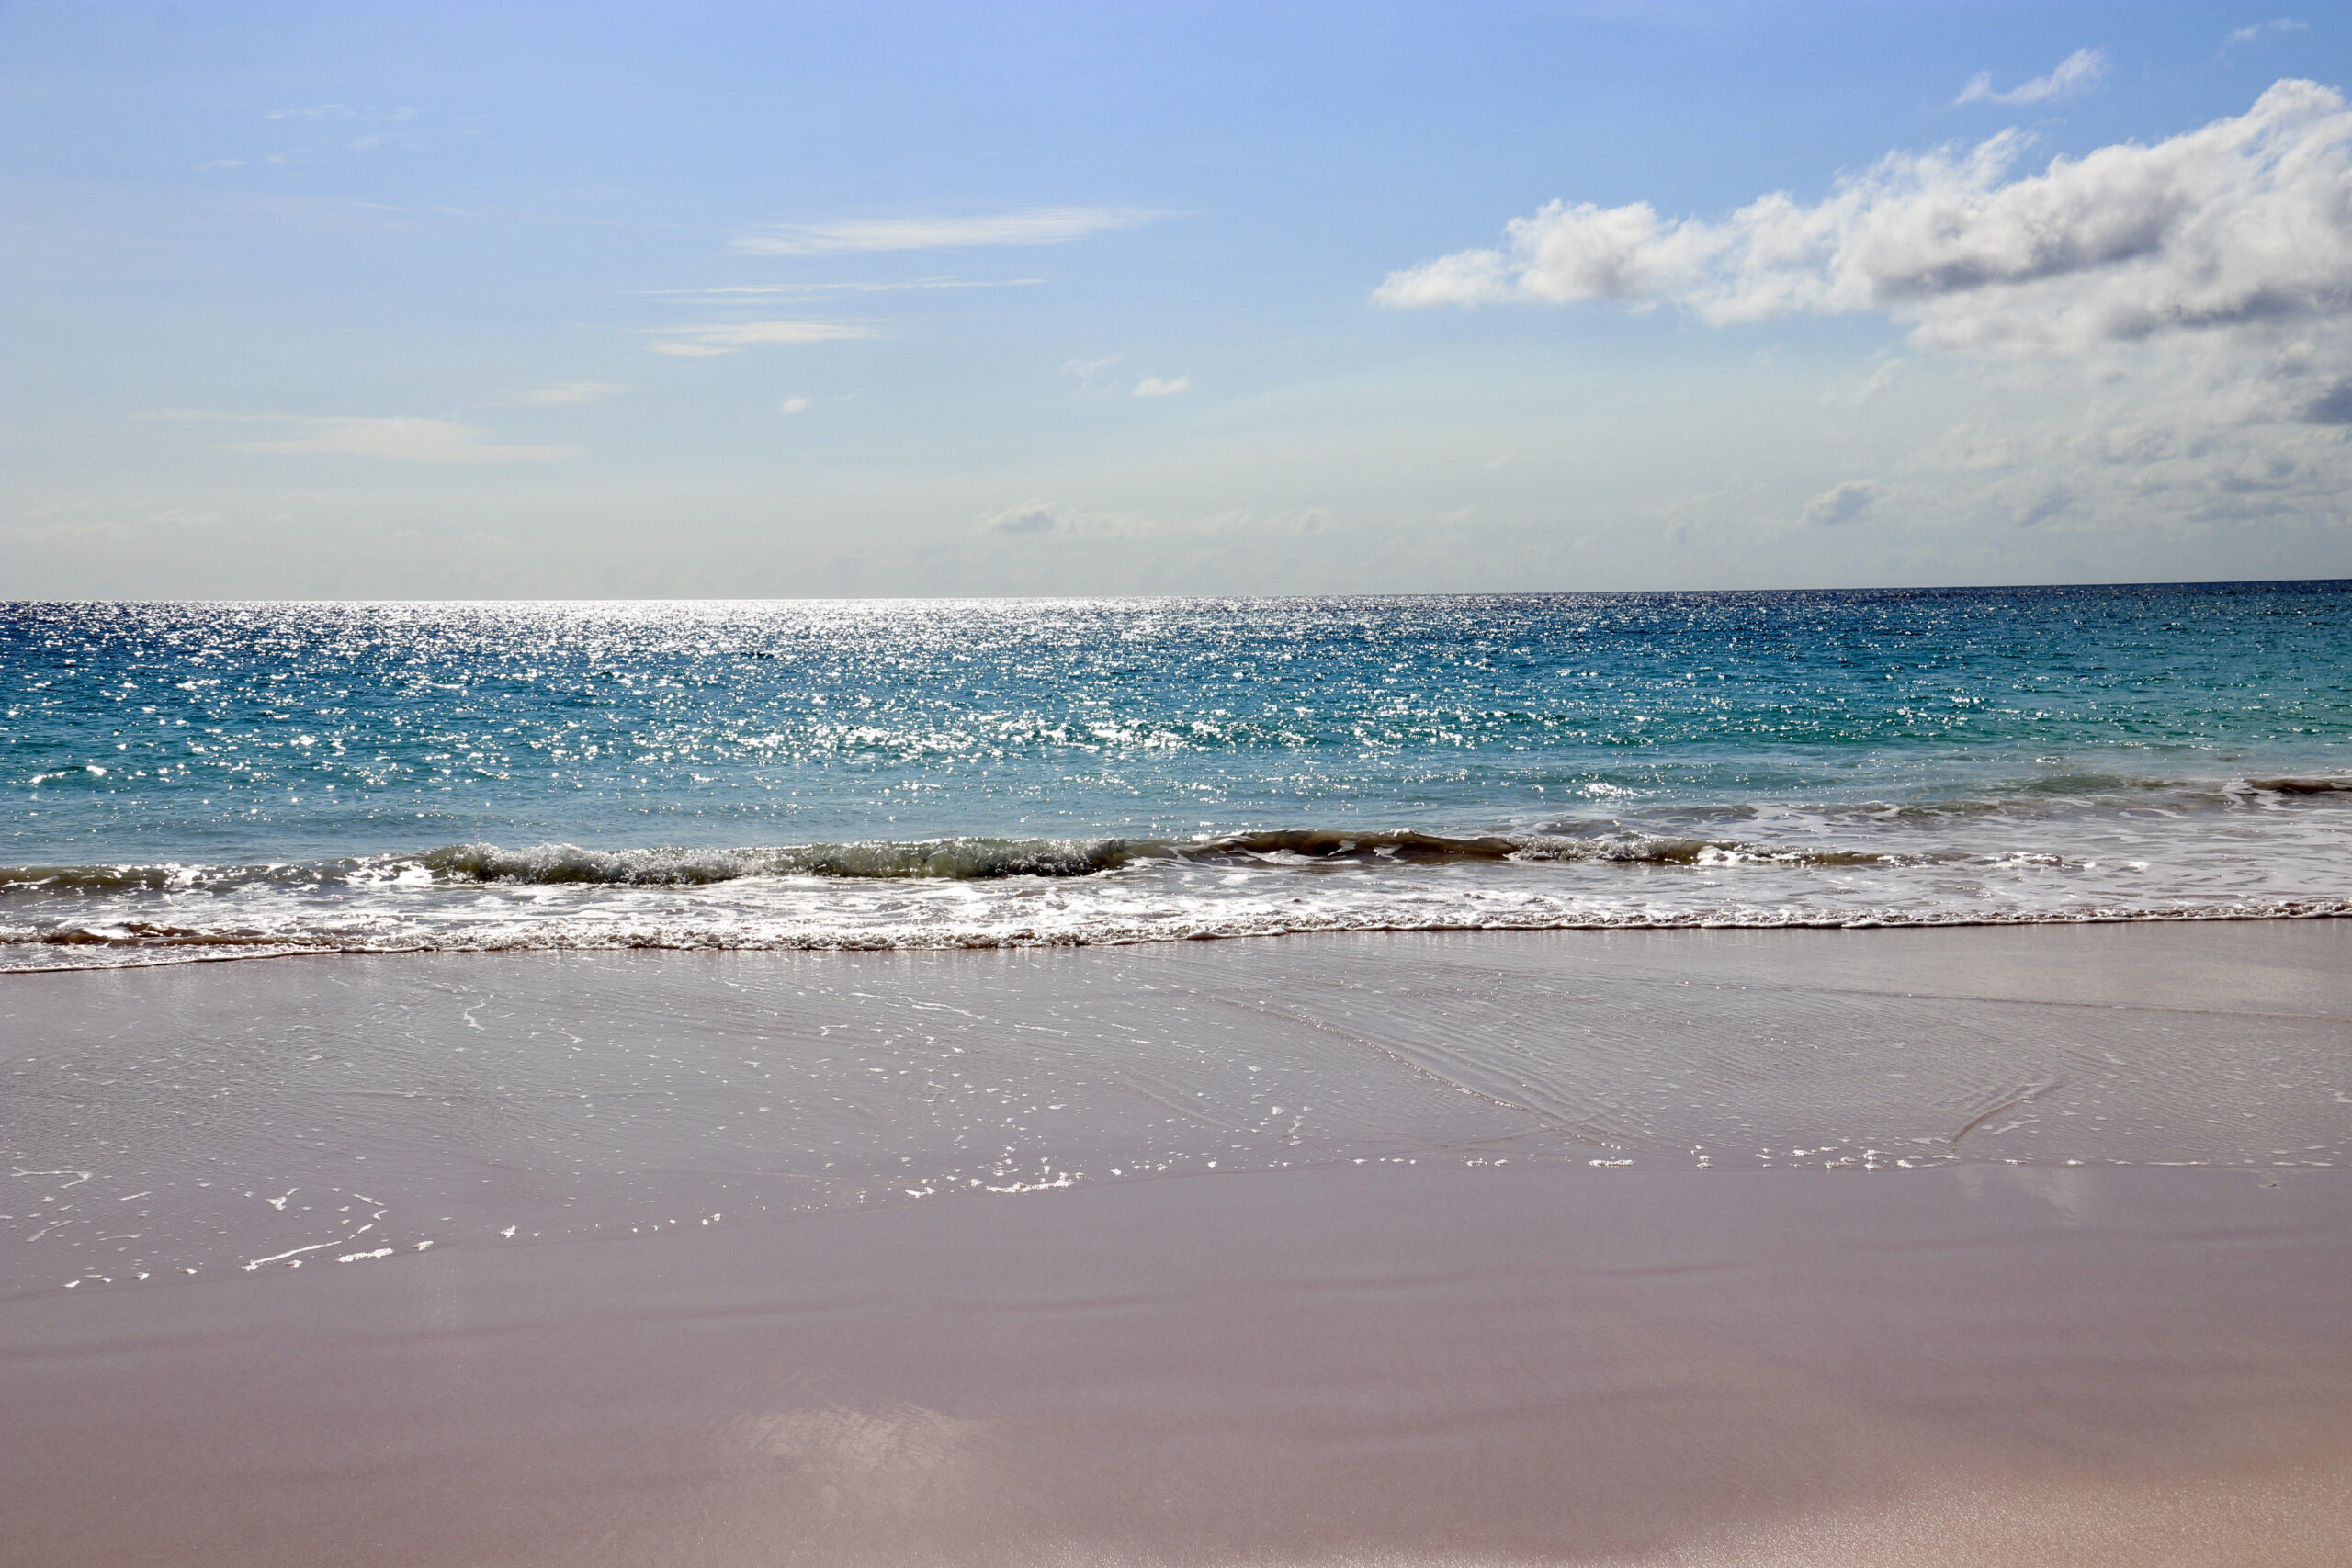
(140, 943)
(954, 859)
(1708, 834)
(982, 859)
(2270, 848)
(960, 859)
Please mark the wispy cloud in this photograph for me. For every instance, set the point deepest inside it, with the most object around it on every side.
(781, 291)
(73, 522)
(2077, 74)
(1876, 384)
(568, 392)
(1031, 226)
(407, 439)
(793, 405)
(435, 211)
(1037, 519)
(709, 341)
(771, 290)
(1163, 387)
(2263, 30)
(1033, 517)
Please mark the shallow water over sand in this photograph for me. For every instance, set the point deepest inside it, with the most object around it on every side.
(169, 1125)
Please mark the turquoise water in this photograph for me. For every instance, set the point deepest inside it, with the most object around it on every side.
(212, 780)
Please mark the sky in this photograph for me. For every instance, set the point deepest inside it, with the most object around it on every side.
(506, 300)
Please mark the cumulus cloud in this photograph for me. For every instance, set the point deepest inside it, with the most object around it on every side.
(1843, 503)
(793, 405)
(2077, 74)
(2248, 220)
(1163, 387)
(411, 440)
(709, 341)
(568, 392)
(1032, 226)
(2143, 337)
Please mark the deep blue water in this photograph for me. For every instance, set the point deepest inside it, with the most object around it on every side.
(252, 777)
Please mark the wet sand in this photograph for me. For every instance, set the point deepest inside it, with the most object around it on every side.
(1511, 1288)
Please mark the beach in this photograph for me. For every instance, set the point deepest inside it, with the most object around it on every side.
(1990, 1245)
(1187, 787)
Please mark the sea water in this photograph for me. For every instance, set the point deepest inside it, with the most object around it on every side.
(207, 781)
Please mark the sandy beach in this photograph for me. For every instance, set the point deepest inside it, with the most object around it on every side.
(1024, 785)
(1974, 1246)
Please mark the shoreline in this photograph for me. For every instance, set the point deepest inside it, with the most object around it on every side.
(168, 956)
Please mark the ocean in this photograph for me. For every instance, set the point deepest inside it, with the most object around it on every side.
(194, 781)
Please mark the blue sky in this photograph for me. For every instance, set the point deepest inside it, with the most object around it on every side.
(381, 300)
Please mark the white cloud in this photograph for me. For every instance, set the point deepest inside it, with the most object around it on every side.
(2245, 222)
(1843, 503)
(1870, 388)
(2151, 336)
(793, 405)
(705, 342)
(1037, 518)
(568, 392)
(1162, 387)
(411, 440)
(738, 293)
(1031, 516)
(2077, 74)
(70, 523)
(2263, 30)
(1034, 516)
(1966, 448)
(1032, 226)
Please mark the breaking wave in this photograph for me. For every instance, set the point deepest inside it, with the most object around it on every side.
(2100, 849)
(961, 860)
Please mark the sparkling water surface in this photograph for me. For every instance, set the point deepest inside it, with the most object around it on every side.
(216, 780)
